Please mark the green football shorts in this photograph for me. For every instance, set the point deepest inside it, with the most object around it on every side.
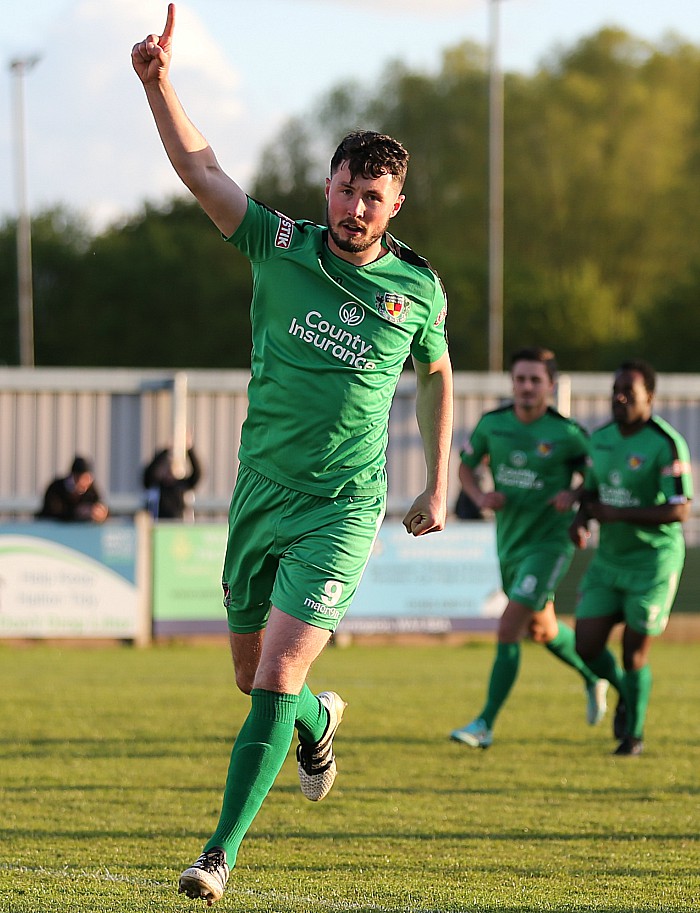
(301, 553)
(641, 597)
(533, 579)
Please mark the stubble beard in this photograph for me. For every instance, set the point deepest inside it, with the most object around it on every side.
(353, 245)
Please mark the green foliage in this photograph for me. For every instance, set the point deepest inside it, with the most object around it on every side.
(602, 188)
(9, 327)
(670, 332)
(113, 762)
(609, 134)
(59, 243)
(602, 191)
(161, 290)
(289, 178)
(167, 292)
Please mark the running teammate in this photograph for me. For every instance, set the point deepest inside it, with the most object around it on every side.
(534, 455)
(336, 311)
(639, 489)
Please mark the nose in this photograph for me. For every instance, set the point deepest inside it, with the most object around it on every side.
(356, 207)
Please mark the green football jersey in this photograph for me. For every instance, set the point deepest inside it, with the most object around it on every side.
(646, 468)
(329, 343)
(530, 463)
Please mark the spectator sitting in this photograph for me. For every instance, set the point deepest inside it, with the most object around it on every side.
(74, 499)
(165, 491)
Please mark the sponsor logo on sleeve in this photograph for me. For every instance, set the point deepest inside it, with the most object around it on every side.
(441, 316)
(284, 232)
(676, 469)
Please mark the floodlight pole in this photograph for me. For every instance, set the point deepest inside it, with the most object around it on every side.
(495, 191)
(25, 293)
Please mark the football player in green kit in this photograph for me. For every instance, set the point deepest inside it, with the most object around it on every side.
(533, 454)
(336, 311)
(639, 488)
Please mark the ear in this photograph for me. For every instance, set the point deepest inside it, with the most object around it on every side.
(328, 187)
(397, 205)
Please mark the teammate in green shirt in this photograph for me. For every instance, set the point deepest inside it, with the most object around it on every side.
(639, 488)
(336, 311)
(533, 454)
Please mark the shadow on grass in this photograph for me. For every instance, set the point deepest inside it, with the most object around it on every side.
(616, 793)
(133, 746)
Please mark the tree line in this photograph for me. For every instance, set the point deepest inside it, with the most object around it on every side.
(601, 203)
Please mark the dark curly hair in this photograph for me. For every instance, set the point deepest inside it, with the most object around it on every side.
(641, 367)
(371, 155)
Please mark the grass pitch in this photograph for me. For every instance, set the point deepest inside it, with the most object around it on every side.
(112, 763)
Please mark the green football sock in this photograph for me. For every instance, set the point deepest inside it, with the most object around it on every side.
(563, 646)
(257, 756)
(311, 718)
(503, 675)
(605, 666)
(638, 686)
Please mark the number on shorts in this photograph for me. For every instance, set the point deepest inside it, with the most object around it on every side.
(333, 590)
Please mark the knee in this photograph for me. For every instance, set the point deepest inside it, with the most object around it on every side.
(543, 626)
(512, 626)
(634, 661)
(542, 631)
(244, 681)
(635, 650)
(538, 634)
(507, 634)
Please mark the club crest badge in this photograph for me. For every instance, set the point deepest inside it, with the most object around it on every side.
(393, 306)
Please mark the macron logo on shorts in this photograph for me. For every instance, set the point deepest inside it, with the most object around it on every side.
(284, 232)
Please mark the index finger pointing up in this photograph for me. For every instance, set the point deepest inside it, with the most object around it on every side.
(169, 23)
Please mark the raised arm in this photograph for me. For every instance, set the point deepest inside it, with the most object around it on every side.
(191, 156)
(434, 413)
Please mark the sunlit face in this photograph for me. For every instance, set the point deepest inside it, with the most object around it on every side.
(82, 482)
(358, 213)
(532, 388)
(631, 401)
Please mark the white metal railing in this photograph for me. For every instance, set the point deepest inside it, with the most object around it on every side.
(119, 418)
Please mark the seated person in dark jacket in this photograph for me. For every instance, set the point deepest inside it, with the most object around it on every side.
(75, 498)
(166, 492)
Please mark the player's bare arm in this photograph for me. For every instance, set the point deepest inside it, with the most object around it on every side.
(579, 532)
(654, 515)
(191, 156)
(484, 500)
(428, 512)
(565, 499)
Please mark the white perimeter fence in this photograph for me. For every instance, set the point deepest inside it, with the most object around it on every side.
(119, 418)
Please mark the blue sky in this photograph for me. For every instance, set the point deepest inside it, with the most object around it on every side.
(241, 67)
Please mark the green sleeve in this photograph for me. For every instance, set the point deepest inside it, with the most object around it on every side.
(476, 447)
